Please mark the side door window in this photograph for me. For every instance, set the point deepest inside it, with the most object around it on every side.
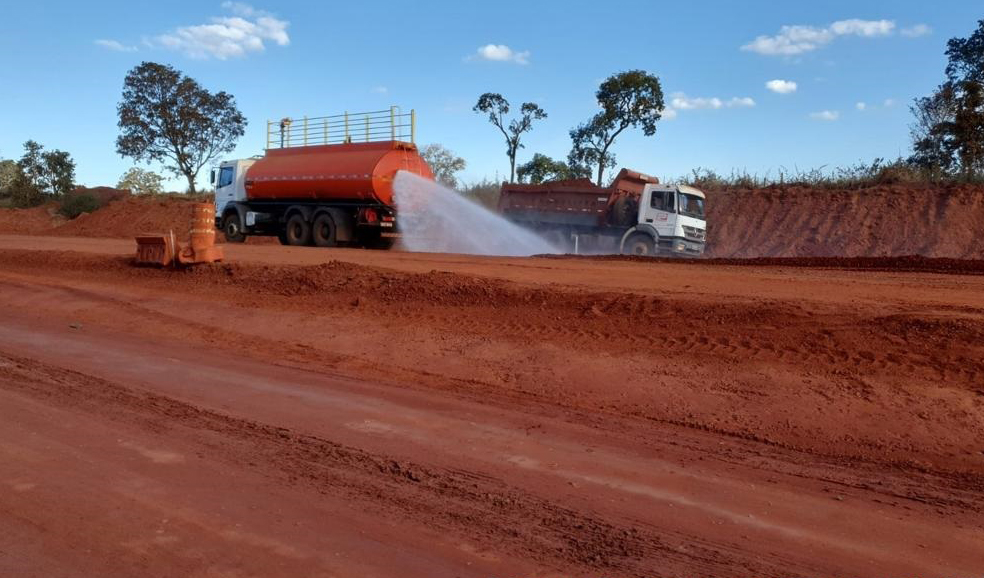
(670, 197)
(658, 200)
(225, 177)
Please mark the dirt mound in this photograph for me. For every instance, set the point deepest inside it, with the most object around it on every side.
(943, 221)
(30, 221)
(905, 263)
(104, 195)
(131, 216)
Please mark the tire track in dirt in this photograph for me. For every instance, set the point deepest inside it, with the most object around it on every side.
(841, 351)
(482, 508)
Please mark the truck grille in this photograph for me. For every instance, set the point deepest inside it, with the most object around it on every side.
(693, 233)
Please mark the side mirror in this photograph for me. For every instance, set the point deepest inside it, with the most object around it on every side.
(212, 178)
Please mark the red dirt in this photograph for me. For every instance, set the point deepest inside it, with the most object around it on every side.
(942, 221)
(30, 221)
(388, 413)
(889, 220)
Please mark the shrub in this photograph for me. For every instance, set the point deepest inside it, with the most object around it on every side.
(78, 204)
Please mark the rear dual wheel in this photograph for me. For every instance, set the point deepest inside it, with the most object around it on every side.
(323, 232)
(297, 231)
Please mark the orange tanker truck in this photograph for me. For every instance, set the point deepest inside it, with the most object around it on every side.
(324, 181)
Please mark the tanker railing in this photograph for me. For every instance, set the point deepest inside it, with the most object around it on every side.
(375, 126)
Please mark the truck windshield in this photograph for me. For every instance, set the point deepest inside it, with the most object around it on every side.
(691, 206)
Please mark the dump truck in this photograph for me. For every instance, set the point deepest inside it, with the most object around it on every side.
(322, 181)
(636, 215)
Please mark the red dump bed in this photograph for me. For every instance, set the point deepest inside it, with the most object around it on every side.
(338, 172)
(579, 201)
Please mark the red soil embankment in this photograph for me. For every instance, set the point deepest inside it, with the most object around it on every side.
(793, 221)
(30, 221)
(131, 216)
(942, 221)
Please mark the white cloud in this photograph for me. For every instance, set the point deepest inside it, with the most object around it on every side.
(798, 39)
(916, 31)
(861, 106)
(241, 9)
(865, 28)
(379, 90)
(681, 102)
(781, 86)
(115, 45)
(825, 115)
(500, 53)
(889, 103)
(227, 37)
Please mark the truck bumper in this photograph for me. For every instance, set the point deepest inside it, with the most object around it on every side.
(685, 248)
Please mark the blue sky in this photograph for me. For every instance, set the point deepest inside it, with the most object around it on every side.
(63, 63)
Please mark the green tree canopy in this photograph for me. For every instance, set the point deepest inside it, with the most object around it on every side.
(497, 107)
(543, 168)
(41, 175)
(444, 164)
(631, 99)
(141, 182)
(167, 117)
(948, 131)
(9, 171)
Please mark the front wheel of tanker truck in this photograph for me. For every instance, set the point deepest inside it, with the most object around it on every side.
(232, 228)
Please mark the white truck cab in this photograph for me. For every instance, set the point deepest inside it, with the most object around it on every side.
(229, 180)
(670, 220)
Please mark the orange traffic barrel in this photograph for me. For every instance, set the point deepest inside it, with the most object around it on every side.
(202, 226)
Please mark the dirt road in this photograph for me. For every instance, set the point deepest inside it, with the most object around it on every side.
(303, 412)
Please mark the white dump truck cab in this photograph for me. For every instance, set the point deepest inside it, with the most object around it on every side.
(229, 180)
(671, 221)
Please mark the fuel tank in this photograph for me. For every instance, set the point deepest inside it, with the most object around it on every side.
(354, 172)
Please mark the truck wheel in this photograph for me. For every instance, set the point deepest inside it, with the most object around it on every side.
(232, 228)
(282, 237)
(298, 231)
(323, 231)
(639, 244)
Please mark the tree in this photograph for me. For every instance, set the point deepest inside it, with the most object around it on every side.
(948, 132)
(966, 56)
(444, 164)
(497, 108)
(932, 141)
(141, 182)
(167, 117)
(41, 174)
(8, 174)
(543, 168)
(631, 99)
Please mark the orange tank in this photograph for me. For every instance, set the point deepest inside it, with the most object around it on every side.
(361, 172)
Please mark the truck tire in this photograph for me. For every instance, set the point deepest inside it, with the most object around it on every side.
(232, 228)
(323, 232)
(639, 244)
(298, 230)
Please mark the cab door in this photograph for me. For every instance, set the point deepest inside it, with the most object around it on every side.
(660, 211)
(225, 187)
